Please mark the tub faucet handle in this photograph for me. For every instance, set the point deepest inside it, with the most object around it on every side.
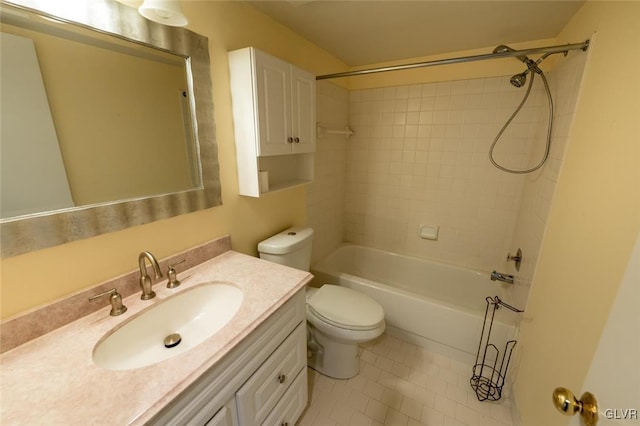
(517, 258)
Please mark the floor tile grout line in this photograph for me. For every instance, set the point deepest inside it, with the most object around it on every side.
(389, 392)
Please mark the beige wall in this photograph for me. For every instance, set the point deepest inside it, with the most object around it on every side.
(594, 217)
(32, 279)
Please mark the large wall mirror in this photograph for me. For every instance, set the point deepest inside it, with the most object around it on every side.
(107, 122)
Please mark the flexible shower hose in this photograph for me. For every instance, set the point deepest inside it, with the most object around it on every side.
(549, 127)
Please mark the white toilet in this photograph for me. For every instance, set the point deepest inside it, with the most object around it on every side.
(338, 318)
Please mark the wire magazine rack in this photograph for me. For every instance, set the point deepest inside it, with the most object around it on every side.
(487, 379)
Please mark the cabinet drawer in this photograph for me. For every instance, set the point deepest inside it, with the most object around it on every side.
(266, 386)
(292, 404)
(225, 416)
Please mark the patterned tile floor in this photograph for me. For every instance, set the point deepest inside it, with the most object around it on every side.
(401, 384)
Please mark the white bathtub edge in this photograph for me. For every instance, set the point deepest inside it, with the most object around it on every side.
(431, 345)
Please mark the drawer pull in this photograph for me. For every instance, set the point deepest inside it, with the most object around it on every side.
(282, 378)
(284, 424)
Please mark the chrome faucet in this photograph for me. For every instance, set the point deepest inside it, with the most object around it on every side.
(502, 277)
(145, 280)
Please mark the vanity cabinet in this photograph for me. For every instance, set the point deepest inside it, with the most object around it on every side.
(226, 416)
(259, 395)
(291, 405)
(262, 381)
(274, 112)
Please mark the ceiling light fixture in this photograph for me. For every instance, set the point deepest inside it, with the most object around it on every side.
(166, 12)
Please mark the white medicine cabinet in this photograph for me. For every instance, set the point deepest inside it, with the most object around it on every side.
(274, 114)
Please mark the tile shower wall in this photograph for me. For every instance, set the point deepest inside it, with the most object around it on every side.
(420, 157)
(539, 187)
(326, 195)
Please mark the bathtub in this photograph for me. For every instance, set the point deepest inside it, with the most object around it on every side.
(437, 306)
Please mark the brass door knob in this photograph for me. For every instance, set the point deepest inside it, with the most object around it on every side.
(566, 402)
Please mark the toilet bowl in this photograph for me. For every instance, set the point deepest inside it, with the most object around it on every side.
(338, 318)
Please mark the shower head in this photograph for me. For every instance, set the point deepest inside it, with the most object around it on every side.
(518, 80)
(504, 49)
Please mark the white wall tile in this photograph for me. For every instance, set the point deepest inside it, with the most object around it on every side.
(419, 156)
(438, 136)
(326, 195)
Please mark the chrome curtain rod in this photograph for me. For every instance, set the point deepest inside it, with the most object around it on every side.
(549, 49)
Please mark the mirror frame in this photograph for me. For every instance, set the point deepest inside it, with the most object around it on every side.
(38, 231)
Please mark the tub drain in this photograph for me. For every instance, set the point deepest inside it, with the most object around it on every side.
(172, 340)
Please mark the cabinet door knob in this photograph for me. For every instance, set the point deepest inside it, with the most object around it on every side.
(290, 139)
(297, 140)
(282, 378)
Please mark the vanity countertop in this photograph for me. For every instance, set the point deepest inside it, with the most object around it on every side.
(53, 379)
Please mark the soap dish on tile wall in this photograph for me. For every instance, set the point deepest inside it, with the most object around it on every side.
(428, 232)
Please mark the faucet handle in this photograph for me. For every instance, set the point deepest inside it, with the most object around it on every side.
(117, 308)
(173, 278)
(517, 258)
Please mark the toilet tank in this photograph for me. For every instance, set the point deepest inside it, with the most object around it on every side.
(291, 247)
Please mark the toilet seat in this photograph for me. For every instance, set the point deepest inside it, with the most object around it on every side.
(345, 308)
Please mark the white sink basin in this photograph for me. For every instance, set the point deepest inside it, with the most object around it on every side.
(195, 314)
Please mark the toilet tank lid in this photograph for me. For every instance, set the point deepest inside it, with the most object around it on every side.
(286, 241)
